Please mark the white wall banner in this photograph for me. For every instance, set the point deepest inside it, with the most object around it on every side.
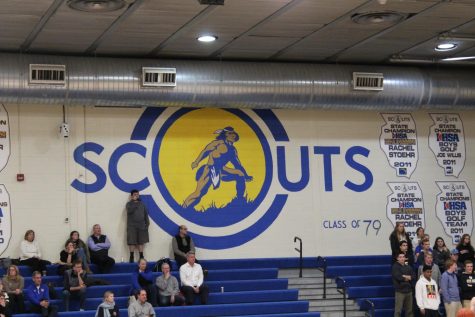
(406, 204)
(5, 219)
(398, 140)
(4, 137)
(454, 209)
(447, 142)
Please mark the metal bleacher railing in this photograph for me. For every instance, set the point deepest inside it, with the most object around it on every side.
(341, 287)
(300, 251)
(370, 310)
(323, 269)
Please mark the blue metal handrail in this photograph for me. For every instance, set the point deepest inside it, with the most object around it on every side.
(342, 291)
(323, 268)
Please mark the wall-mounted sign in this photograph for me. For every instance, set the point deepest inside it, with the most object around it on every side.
(4, 137)
(454, 209)
(5, 219)
(398, 140)
(406, 204)
(447, 141)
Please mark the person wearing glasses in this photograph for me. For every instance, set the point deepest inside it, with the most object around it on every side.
(427, 294)
(182, 243)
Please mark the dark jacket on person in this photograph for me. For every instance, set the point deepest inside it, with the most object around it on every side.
(181, 246)
(137, 215)
(469, 255)
(71, 279)
(409, 258)
(6, 310)
(440, 257)
(394, 240)
(400, 284)
(467, 286)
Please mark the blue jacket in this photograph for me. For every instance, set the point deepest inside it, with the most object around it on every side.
(136, 276)
(449, 287)
(36, 296)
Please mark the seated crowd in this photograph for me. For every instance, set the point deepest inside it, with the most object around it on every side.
(443, 276)
(75, 258)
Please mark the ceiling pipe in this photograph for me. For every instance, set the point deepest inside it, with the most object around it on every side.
(97, 81)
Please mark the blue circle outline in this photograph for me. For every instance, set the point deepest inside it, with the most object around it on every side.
(197, 217)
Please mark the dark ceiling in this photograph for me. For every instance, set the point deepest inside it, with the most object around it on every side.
(262, 30)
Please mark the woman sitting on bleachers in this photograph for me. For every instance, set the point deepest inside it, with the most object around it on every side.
(30, 253)
(107, 308)
(13, 284)
(67, 258)
(142, 278)
(81, 250)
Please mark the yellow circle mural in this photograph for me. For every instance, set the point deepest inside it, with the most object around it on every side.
(193, 138)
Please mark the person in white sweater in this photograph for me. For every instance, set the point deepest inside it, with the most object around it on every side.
(427, 293)
(30, 253)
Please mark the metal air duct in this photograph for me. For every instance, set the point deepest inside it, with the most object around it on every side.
(117, 82)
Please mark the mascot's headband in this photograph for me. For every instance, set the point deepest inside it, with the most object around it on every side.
(227, 129)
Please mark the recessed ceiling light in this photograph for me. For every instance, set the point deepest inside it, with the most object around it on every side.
(207, 38)
(96, 5)
(445, 46)
(380, 17)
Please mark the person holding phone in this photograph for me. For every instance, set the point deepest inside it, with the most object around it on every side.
(137, 224)
(38, 295)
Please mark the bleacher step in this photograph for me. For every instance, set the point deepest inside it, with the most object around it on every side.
(320, 296)
(318, 291)
(308, 280)
(309, 314)
(339, 314)
(337, 306)
(306, 272)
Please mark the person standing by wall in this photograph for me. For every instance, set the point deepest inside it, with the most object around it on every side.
(427, 294)
(137, 224)
(449, 289)
(467, 284)
(402, 275)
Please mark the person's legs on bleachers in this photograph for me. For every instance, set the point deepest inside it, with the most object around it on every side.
(163, 300)
(66, 298)
(189, 294)
(204, 292)
(152, 295)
